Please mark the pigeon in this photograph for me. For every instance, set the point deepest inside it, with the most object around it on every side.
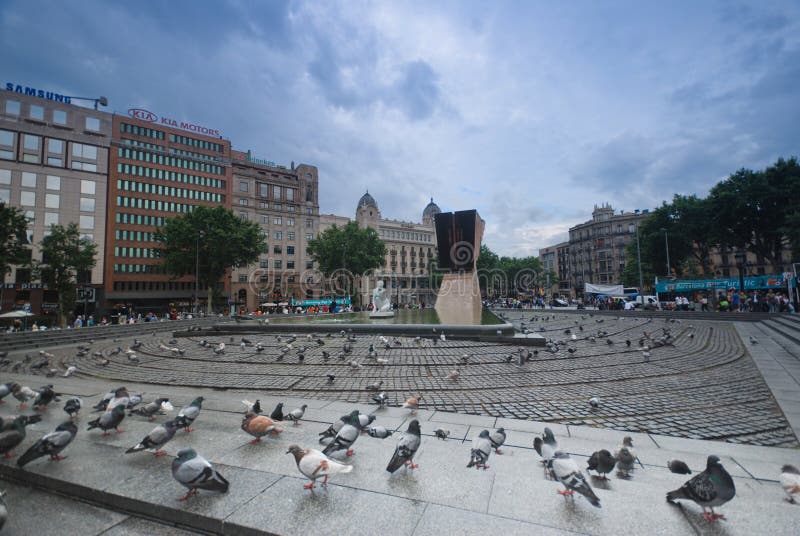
(381, 399)
(133, 358)
(626, 458)
(23, 394)
(5, 390)
(188, 414)
(45, 395)
(219, 349)
(374, 386)
(498, 437)
(441, 434)
(345, 437)
(678, 467)
(150, 409)
(12, 436)
(546, 446)
(252, 407)
(379, 432)
(406, 448)
(334, 428)
(326, 355)
(753, 340)
(73, 406)
(481, 449)
(790, 482)
(258, 426)
(314, 464)
(296, 414)
(602, 462)
(594, 402)
(196, 473)
(454, 374)
(119, 398)
(72, 369)
(277, 413)
(412, 403)
(158, 437)
(711, 488)
(566, 471)
(364, 420)
(133, 401)
(331, 378)
(109, 420)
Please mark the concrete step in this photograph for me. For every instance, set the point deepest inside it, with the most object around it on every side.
(784, 330)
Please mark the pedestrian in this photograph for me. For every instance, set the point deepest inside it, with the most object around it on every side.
(704, 303)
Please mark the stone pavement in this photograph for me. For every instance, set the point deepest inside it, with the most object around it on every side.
(704, 385)
(442, 496)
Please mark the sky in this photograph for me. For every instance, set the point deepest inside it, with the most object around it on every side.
(530, 112)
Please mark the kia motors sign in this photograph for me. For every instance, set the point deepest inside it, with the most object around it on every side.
(145, 115)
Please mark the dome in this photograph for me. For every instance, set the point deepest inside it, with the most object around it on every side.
(431, 210)
(367, 200)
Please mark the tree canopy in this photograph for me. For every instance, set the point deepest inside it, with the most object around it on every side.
(506, 276)
(64, 255)
(207, 242)
(13, 240)
(350, 247)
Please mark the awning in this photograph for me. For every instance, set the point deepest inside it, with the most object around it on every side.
(283, 303)
(269, 304)
(19, 313)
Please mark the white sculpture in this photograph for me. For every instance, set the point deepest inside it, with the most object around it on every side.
(380, 300)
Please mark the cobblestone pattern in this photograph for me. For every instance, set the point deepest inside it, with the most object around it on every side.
(703, 386)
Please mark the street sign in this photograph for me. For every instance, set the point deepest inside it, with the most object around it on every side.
(27, 307)
(85, 294)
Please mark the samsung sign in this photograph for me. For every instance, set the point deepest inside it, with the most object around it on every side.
(145, 115)
(41, 93)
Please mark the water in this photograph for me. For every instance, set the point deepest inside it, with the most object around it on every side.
(401, 316)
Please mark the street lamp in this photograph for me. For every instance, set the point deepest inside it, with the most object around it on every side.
(639, 259)
(200, 234)
(741, 262)
(666, 247)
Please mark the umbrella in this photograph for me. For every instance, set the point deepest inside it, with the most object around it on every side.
(19, 313)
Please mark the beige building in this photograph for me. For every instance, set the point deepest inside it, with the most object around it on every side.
(410, 249)
(553, 262)
(285, 203)
(54, 166)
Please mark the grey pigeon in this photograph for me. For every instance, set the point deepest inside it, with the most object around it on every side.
(546, 446)
(345, 437)
(277, 413)
(594, 403)
(73, 406)
(602, 462)
(334, 428)
(158, 437)
(150, 409)
(498, 437)
(379, 432)
(5, 390)
(709, 489)
(481, 449)
(188, 414)
(678, 467)
(626, 458)
(566, 471)
(441, 434)
(406, 448)
(12, 436)
(52, 444)
(296, 414)
(381, 399)
(109, 420)
(364, 420)
(45, 395)
(195, 473)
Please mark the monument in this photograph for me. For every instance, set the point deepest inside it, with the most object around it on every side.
(382, 306)
(458, 236)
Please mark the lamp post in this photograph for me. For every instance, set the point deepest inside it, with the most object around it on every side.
(639, 259)
(741, 262)
(666, 247)
(200, 235)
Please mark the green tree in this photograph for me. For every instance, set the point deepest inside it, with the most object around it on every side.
(64, 255)
(14, 248)
(350, 249)
(207, 242)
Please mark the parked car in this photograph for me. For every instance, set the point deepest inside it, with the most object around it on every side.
(558, 302)
(648, 303)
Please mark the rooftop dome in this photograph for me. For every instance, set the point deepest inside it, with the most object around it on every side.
(431, 210)
(367, 200)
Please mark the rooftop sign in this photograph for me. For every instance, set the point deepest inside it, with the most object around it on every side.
(41, 93)
(145, 115)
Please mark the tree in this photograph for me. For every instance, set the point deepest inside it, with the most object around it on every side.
(350, 249)
(64, 255)
(13, 240)
(207, 242)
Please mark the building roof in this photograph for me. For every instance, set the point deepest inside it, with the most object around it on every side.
(367, 200)
(431, 210)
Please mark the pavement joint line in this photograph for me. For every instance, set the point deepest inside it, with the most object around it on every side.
(419, 520)
(253, 498)
(743, 468)
(491, 492)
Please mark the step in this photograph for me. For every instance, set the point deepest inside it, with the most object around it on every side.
(784, 330)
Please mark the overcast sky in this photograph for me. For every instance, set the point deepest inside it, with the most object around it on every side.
(529, 111)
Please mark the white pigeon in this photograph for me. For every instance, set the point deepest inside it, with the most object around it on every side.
(567, 472)
(314, 464)
(790, 482)
(70, 371)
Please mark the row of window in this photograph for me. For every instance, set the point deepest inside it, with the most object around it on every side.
(141, 131)
(388, 234)
(32, 151)
(31, 180)
(171, 191)
(174, 176)
(57, 117)
(140, 219)
(193, 154)
(194, 142)
(153, 204)
(134, 236)
(138, 253)
(243, 278)
(277, 192)
(146, 156)
(277, 220)
(138, 269)
(152, 285)
(245, 202)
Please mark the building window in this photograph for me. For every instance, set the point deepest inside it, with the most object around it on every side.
(87, 187)
(243, 202)
(290, 236)
(277, 263)
(53, 182)
(309, 236)
(243, 215)
(93, 124)
(290, 194)
(242, 278)
(59, 117)
(6, 138)
(277, 250)
(50, 218)
(5, 196)
(28, 180)
(87, 222)
(309, 223)
(36, 112)
(263, 204)
(290, 265)
(290, 222)
(52, 200)
(87, 152)
(263, 189)
(243, 186)
(5, 176)
(309, 265)
(290, 250)
(309, 195)
(276, 192)
(55, 146)
(276, 220)
(87, 204)
(278, 235)
(12, 107)
(30, 142)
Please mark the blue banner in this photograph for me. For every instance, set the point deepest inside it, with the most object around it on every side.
(750, 283)
(307, 303)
